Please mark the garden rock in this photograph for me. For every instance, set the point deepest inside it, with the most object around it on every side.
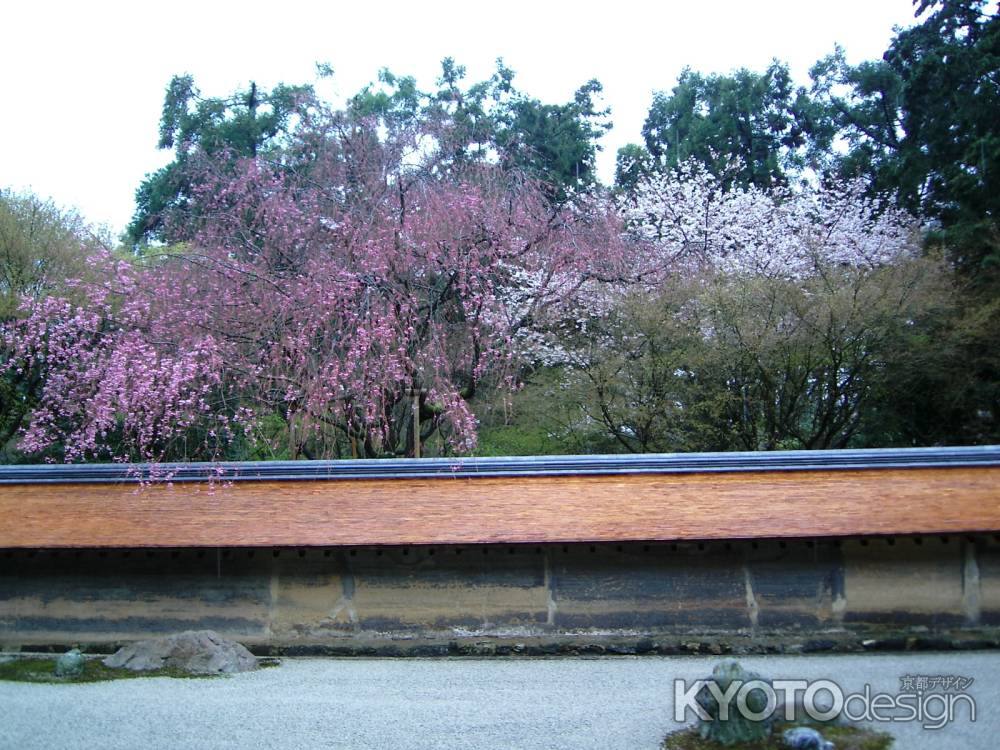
(805, 738)
(70, 664)
(195, 651)
(735, 729)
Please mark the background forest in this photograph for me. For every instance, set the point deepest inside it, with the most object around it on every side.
(775, 266)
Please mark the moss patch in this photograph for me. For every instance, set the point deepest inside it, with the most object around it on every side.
(42, 670)
(843, 738)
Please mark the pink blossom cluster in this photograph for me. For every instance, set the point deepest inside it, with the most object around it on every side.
(334, 310)
(118, 384)
(293, 297)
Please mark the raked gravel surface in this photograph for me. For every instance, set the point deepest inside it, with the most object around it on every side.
(614, 703)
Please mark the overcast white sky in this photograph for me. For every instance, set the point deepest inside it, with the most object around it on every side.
(83, 82)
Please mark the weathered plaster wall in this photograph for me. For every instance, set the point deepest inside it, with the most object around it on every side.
(717, 596)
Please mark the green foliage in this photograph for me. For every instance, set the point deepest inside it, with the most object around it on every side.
(42, 670)
(863, 104)
(942, 377)
(547, 415)
(923, 122)
(748, 363)
(805, 364)
(632, 163)
(491, 120)
(843, 737)
(556, 143)
(41, 247)
(760, 120)
(648, 378)
(465, 120)
(243, 123)
(247, 123)
(396, 103)
(517, 440)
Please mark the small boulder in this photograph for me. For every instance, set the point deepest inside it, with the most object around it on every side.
(805, 738)
(70, 664)
(195, 651)
(735, 729)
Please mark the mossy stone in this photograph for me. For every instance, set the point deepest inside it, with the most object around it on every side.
(70, 664)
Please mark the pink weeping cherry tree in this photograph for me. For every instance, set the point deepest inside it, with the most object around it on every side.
(354, 298)
(119, 378)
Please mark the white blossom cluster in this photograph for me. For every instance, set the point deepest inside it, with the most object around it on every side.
(688, 218)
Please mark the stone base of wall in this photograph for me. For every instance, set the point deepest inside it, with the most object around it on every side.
(712, 597)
